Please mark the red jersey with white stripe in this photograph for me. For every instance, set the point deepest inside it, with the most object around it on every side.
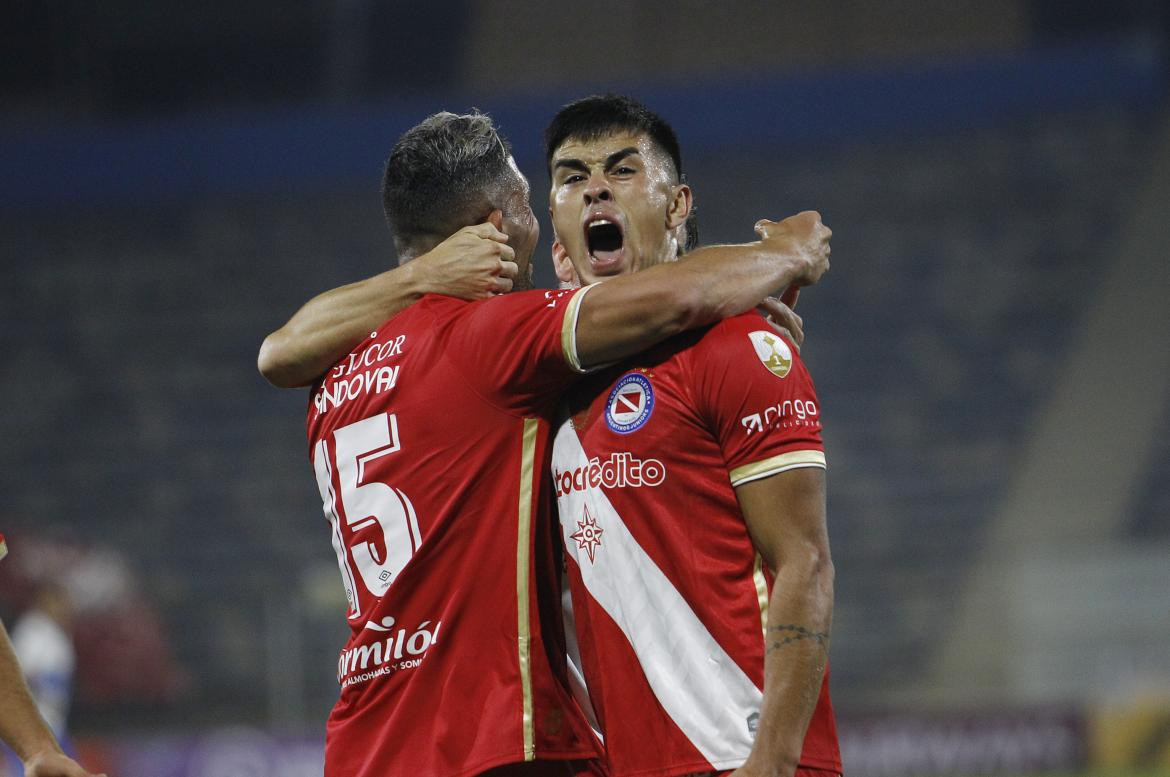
(430, 446)
(669, 595)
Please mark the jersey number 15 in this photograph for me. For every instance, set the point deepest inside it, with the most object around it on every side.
(380, 531)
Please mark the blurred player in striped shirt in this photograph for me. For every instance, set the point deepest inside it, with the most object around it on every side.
(21, 726)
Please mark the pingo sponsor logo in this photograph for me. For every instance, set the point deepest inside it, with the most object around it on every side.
(620, 470)
(401, 649)
(789, 413)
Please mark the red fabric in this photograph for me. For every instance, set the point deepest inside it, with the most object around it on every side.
(417, 439)
(681, 511)
(549, 769)
(801, 771)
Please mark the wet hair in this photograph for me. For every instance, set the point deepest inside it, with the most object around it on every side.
(599, 116)
(443, 174)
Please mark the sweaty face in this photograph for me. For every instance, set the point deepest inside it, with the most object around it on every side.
(614, 204)
(521, 227)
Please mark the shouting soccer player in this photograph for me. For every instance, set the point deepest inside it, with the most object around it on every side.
(430, 445)
(691, 493)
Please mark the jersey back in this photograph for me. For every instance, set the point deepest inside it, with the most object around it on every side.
(669, 595)
(429, 444)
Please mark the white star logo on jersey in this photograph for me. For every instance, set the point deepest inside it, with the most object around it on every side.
(772, 351)
(588, 534)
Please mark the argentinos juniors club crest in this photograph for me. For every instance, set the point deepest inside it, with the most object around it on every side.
(630, 404)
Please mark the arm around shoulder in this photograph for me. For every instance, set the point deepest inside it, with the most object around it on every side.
(627, 314)
(473, 263)
(328, 326)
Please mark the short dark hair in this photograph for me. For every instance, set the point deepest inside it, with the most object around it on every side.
(443, 174)
(692, 232)
(600, 115)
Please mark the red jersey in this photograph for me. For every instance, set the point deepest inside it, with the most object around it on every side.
(669, 595)
(430, 446)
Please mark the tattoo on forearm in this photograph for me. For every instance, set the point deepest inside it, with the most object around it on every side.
(795, 634)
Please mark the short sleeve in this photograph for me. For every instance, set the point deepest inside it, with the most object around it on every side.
(518, 350)
(756, 395)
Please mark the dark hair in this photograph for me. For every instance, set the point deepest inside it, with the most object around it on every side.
(692, 238)
(598, 116)
(443, 174)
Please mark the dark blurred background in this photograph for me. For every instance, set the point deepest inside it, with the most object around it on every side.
(990, 347)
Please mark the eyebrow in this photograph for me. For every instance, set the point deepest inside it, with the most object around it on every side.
(610, 161)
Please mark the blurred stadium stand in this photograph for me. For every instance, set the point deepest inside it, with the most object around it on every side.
(978, 182)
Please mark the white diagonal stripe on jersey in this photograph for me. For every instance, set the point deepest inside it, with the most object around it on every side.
(703, 690)
(630, 407)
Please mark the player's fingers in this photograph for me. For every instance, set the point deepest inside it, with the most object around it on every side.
(790, 296)
(506, 252)
(488, 231)
(501, 284)
(790, 335)
(509, 269)
(762, 226)
(784, 319)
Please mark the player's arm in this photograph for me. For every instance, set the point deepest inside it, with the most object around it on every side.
(624, 315)
(785, 515)
(21, 726)
(474, 263)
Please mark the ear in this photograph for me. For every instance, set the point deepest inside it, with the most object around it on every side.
(496, 219)
(680, 206)
(566, 273)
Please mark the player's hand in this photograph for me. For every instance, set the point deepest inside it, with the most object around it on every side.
(474, 263)
(54, 765)
(802, 236)
(784, 319)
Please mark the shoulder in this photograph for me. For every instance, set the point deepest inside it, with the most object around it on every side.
(515, 303)
(749, 335)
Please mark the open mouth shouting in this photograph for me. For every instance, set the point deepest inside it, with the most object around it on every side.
(605, 241)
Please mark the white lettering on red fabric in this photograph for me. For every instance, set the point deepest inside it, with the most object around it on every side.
(556, 295)
(784, 415)
(620, 470)
(362, 372)
(402, 649)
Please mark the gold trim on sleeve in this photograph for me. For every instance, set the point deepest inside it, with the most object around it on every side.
(776, 464)
(569, 329)
(523, 576)
(761, 582)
